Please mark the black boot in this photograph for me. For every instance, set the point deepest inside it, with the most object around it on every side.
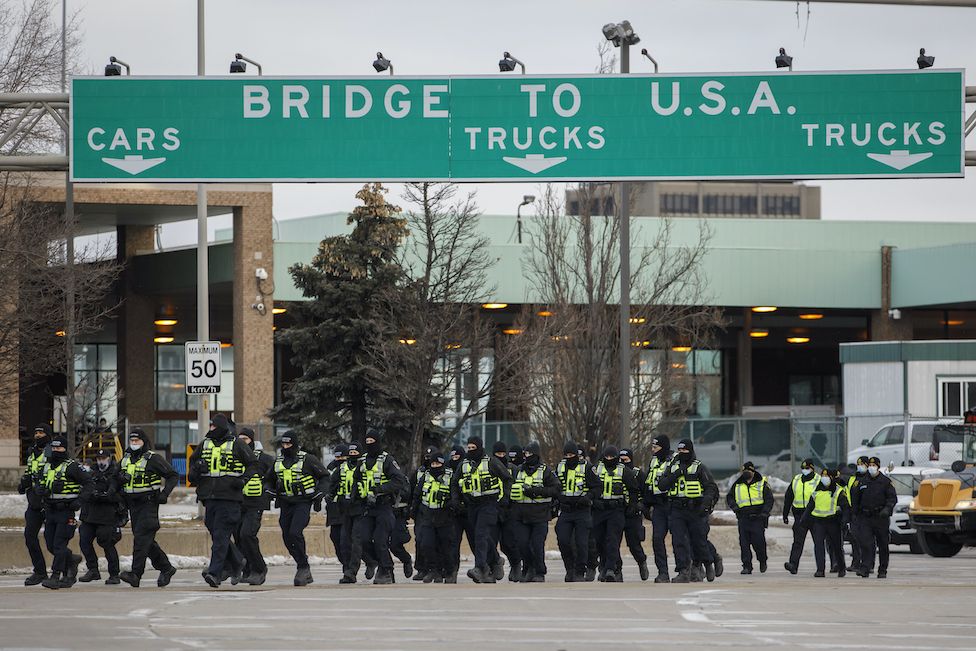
(590, 574)
(212, 581)
(710, 572)
(408, 567)
(498, 571)
(164, 577)
(89, 576)
(130, 578)
(451, 577)
(303, 576)
(113, 579)
(475, 575)
(515, 572)
(645, 574)
(662, 578)
(684, 576)
(35, 578)
(384, 576)
(53, 582)
(257, 578)
(420, 575)
(719, 565)
(370, 570)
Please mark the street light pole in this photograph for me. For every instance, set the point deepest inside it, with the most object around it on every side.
(526, 200)
(625, 352)
(203, 262)
(69, 246)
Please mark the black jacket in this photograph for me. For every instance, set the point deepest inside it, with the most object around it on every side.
(76, 473)
(156, 465)
(761, 511)
(263, 463)
(313, 466)
(30, 481)
(441, 517)
(222, 488)
(872, 496)
(788, 498)
(541, 511)
(102, 498)
(680, 467)
(585, 501)
(384, 494)
(496, 468)
(845, 507)
(631, 483)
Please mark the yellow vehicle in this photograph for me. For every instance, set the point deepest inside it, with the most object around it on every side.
(943, 513)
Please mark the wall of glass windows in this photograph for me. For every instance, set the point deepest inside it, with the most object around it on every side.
(97, 388)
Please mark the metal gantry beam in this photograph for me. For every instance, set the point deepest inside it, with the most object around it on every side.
(918, 3)
(26, 110)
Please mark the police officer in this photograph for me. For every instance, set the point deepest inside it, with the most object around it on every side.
(874, 502)
(335, 503)
(421, 566)
(692, 493)
(457, 507)
(64, 479)
(515, 455)
(256, 501)
(435, 524)
(826, 511)
(851, 530)
(507, 537)
(400, 535)
(656, 500)
(534, 486)
(634, 532)
(299, 479)
(796, 499)
(34, 515)
(482, 484)
(220, 467)
(147, 481)
(617, 485)
(101, 509)
(377, 480)
(578, 489)
(751, 499)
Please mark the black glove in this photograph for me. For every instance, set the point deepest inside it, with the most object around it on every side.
(786, 519)
(584, 501)
(371, 499)
(162, 498)
(599, 505)
(532, 491)
(631, 511)
(317, 505)
(454, 507)
(42, 491)
(24, 484)
(886, 512)
(504, 502)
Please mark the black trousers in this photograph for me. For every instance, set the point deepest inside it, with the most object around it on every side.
(752, 537)
(483, 528)
(573, 537)
(106, 535)
(852, 535)
(33, 521)
(222, 518)
(460, 531)
(530, 538)
(660, 515)
(826, 533)
(59, 528)
(335, 535)
(436, 545)
(399, 538)
(634, 534)
(144, 518)
(607, 533)
(293, 518)
(689, 538)
(372, 530)
(800, 531)
(873, 533)
(246, 539)
(508, 538)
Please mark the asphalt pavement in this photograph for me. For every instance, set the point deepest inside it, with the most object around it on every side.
(925, 604)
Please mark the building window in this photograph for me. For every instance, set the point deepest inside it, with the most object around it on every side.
(694, 379)
(679, 204)
(97, 392)
(785, 205)
(730, 204)
(956, 396)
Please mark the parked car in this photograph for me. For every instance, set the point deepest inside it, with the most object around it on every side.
(906, 480)
(933, 443)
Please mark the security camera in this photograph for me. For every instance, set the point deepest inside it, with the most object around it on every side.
(261, 273)
(894, 314)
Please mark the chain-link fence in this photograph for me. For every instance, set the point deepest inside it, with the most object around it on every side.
(929, 440)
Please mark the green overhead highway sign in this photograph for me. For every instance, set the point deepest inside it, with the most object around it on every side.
(887, 124)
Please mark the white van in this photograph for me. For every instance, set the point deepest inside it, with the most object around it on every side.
(933, 443)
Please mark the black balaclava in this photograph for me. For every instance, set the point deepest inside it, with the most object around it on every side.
(249, 433)
(459, 451)
(573, 449)
(626, 452)
(479, 449)
(611, 456)
(339, 452)
(375, 448)
(41, 441)
(532, 460)
(686, 451)
(141, 435)
(57, 458)
(515, 455)
(428, 452)
(289, 437)
(353, 454)
(437, 457)
(221, 427)
(500, 450)
(664, 442)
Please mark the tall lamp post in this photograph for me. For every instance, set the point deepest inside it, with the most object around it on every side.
(526, 200)
(622, 36)
(203, 254)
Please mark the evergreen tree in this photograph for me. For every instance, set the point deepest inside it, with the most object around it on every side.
(338, 395)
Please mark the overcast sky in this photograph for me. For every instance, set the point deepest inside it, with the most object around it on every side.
(318, 37)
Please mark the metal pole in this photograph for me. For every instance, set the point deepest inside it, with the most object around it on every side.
(203, 276)
(69, 261)
(625, 352)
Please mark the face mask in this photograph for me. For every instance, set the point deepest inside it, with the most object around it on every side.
(135, 447)
(532, 460)
(572, 461)
(374, 448)
(103, 464)
(873, 471)
(825, 481)
(806, 471)
(610, 463)
(58, 457)
(437, 472)
(862, 469)
(747, 476)
(475, 454)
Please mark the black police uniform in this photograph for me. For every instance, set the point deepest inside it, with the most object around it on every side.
(507, 538)
(400, 535)
(458, 509)
(252, 510)
(618, 486)
(800, 527)
(692, 493)
(534, 487)
(373, 503)
(34, 514)
(299, 479)
(752, 516)
(578, 488)
(634, 532)
(102, 514)
(874, 501)
(147, 481)
(220, 467)
(659, 507)
(436, 525)
(333, 507)
(63, 482)
(826, 529)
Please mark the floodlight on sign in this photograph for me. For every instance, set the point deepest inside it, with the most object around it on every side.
(923, 60)
(784, 60)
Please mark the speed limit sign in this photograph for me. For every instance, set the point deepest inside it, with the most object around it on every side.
(202, 367)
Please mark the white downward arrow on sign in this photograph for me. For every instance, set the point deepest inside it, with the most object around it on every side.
(534, 163)
(899, 159)
(134, 164)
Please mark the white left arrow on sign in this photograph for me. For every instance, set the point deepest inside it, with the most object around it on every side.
(134, 164)
(534, 163)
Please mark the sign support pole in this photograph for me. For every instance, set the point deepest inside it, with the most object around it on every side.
(625, 353)
(203, 263)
